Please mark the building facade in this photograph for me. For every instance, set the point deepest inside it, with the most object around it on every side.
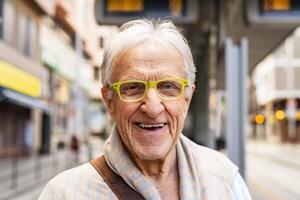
(50, 57)
(23, 80)
(277, 85)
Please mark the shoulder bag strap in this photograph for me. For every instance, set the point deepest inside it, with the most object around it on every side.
(114, 181)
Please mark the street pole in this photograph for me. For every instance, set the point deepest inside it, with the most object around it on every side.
(77, 91)
(236, 64)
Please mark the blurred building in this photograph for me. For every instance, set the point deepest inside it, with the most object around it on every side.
(24, 111)
(49, 74)
(99, 122)
(277, 87)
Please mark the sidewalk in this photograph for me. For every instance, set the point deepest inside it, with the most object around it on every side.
(273, 170)
(35, 171)
(21, 175)
(283, 154)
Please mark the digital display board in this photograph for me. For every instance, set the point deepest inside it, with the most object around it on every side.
(273, 11)
(119, 11)
(124, 6)
(279, 7)
(144, 8)
(275, 5)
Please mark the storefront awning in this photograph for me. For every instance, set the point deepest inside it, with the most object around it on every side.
(16, 79)
(23, 100)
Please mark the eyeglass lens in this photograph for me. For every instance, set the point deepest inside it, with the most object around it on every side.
(169, 89)
(136, 90)
(132, 90)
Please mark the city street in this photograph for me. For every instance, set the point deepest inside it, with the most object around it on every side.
(273, 171)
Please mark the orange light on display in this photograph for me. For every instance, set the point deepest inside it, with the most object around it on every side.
(125, 5)
(176, 7)
(276, 5)
(259, 119)
(280, 114)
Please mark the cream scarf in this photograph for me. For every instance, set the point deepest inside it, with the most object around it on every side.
(204, 174)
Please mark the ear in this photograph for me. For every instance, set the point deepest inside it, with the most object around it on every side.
(189, 94)
(107, 96)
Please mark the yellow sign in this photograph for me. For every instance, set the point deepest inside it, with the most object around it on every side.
(125, 5)
(276, 5)
(13, 78)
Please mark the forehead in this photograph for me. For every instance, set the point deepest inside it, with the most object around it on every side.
(149, 60)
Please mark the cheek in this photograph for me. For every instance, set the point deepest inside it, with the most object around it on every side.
(117, 109)
(123, 112)
(122, 115)
(177, 112)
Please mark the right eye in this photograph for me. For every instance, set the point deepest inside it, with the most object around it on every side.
(132, 88)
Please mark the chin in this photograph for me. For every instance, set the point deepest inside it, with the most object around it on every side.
(153, 153)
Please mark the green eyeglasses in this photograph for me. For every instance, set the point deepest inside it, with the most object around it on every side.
(135, 90)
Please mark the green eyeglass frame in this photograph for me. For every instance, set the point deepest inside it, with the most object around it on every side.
(147, 84)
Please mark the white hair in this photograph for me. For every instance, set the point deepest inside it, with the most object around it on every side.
(136, 32)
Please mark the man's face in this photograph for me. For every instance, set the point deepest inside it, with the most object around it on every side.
(135, 120)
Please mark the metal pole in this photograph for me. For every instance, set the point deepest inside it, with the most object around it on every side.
(236, 63)
(244, 101)
(14, 172)
(231, 72)
(78, 49)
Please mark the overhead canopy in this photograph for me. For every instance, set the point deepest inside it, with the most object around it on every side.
(23, 100)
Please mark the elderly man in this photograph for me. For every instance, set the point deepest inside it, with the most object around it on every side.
(148, 79)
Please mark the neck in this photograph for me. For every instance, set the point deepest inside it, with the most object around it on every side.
(157, 169)
(163, 174)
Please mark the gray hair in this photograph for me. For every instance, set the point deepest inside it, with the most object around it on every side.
(136, 32)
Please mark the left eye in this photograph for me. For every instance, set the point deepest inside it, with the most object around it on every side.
(169, 85)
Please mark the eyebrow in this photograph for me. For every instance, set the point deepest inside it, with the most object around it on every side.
(142, 76)
(133, 76)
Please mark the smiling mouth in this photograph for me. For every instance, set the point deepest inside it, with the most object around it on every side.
(151, 126)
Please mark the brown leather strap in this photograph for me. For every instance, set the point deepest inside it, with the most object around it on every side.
(114, 181)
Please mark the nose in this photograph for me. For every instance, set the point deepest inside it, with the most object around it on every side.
(152, 105)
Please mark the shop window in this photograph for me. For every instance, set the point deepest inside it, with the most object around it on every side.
(96, 73)
(17, 28)
(280, 78)
(297, 47)
(27, 34)
(9, 17)
(1, 19)
(101, 42)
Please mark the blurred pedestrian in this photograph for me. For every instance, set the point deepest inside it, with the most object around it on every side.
(74, 144)
(148, 78)
(75, 147)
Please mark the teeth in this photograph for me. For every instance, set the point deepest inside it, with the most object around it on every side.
(142, 125)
